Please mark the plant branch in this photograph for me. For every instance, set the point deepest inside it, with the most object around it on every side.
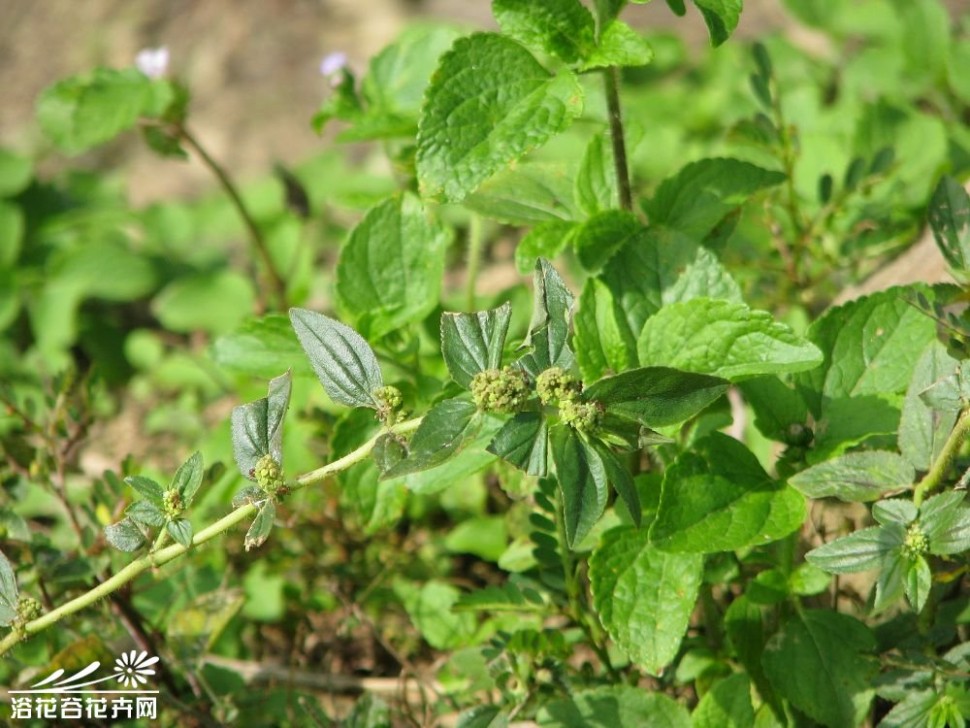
(946, 457)
(255, 234)
(611, 80)
(163, 556)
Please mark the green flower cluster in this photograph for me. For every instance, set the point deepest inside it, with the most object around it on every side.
(172, 504)
(389, 401)
(505, 390)
(28, 609)
(583, 416)
(268, 474)
(556, 384)
(915, 544)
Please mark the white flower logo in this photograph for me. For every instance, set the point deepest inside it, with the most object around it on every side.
(132, 667)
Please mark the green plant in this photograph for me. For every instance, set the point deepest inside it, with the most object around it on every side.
(621, 558)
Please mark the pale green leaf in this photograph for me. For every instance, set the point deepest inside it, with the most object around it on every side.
(619, 45)
(924, 429)
(726, 705)
(614, 706)
(856, 476)
(430, 608)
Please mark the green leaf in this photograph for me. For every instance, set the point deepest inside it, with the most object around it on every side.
(523, 442)
(918, 579)
(388, 451)
(146, 487)
(447, 427)
(215, 301)
(11, 233)
(914, 711)
(473, 342)
(745, 628)
(780, 411)
(261, 526)
(598, 239)
(656, 396)
(923, 429)
(430, 608)
(726, 705)
(619, 45)
(721, 17)
(261, 347)
(582, 482)
(486, 537)
(701, 194)
(595, 189)
(619, 477)
(390, 269)
(181, 531)
(9, 593)
(549, 328)
(562, 28)
(644, 597)
(146, 513)
(820, 661)
(545, 240)
(489, 103)
(343, 362)
(717, 497)
(124, 535)
(508, 597)
(483, 716)
(257, 427)
(188, 477)
(16, 171)
(613, 706)
(895, 510)
(83, 111)
(859, 551)
(527, 193)
(603, 342)
(856, 476)
(725, 339)
(945, 519)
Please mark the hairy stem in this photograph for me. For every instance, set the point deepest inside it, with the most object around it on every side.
(611, 80)
(163, 556)
(942, 463)
(255, 234)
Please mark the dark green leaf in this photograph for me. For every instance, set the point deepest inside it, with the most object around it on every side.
(563, 28)
(619, 477)
(388, 451)
(549, 328)
(447, 427)
(507, 597)
(582, 482)
(188, 477)
(345, 364)
(257, 427)
(9, 593)
(724, 339)
(856, 476)
(859, 551)
(181, 531)
(643, 596)
(721, 17)
(945, 519)
(522, 441)
(598, 239)
(390, 269)
(473, 342)
(924, 429)
(614, 706)
(146, 513)
(895, 510)
(489, 103)
(820, 661)
(146, 487)
(656, 396)
(124, 535)
(780, 411)
(717, 497)
(918, 579)
(262, 525)
(603, 342)
(726, 705)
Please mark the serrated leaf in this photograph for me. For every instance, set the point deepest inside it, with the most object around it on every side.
(643, 596)
(924, 429)
(721, 17)
(603, 342)
(602, 235)
(549, 328)
(342, 360)
(856, 476)
(489, 103)
(124, 535)
(613, 706)
(188, 477)
(261, 526)
(859, 551)
(949, 216)
(656, 396)
(523, 442)
(563, 28)
(725, 339)
(445, 429)
(9, 593)
(820, 661)
(717, 497)
(582, 482)
(146, 513)
(83, 111)
(912, 712)
(146, 487)
(473, 342)
(390, 269)
(701, 194)
(181, 531)
(620, 46)
(726, 705)
(257, 427)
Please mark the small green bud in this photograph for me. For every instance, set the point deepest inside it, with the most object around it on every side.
(389, 401)
(28, 609)
(500, 391)
(583, 416)
(172, 504)
(915, 544)
(268, 474)
(555, 384)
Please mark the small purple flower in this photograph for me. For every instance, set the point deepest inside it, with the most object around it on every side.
(153, 62)
(333, 63)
